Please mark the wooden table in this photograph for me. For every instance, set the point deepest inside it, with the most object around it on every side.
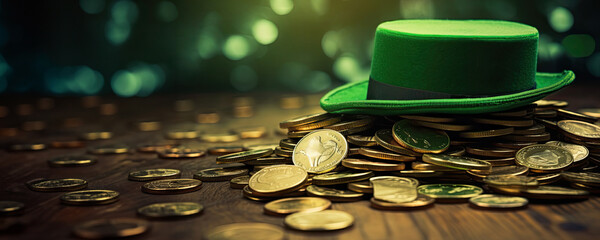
(46, 218)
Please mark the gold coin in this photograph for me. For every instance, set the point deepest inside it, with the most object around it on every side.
(147, 126)
(363, 141)
(361, 187)
(426, 166)
(498, 170)
(180, 152)
(11, 208)
(251, 132)
(101, 135)
(269, 161)
(90, 197)
(586, 178)
(580, 129)
(320, 151)
(394, 189)
(154, 174)
(244, 156)
(486, 151)
(535, 129)
(554, 192)
(334, 178)
(545, 179)
(282, 152)
(109, 149)
(220, 174)
(219, 137)
(71, 161)
(592, 112)
(277, 180)
(299, 204)
(316, 125)
(182, 134)
(579, 152)
(449, 192)
(249, 194)
(487, 133)
(304, 120)
(420, 139)
(326, 220)
(346, 125)
(239, 182)
(249, 147)
(170, 209)
(155, 147)
(498, 201)
(246, 231)
(457, 162)
(111, 228)
(224, 150)
(373, 153)
(362, 164)
(512, 181)
(27, 147)
(208, 117)
(422, 201)
(333, 194)
(298, 134)
(505, 122)
(576, 116)
(287, 143)
(543, 103)
(172, 186)
(56, 185)
(544, 158)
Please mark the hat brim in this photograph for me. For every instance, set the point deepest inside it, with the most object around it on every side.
(351, 99)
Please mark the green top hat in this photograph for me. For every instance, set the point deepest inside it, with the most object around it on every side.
(448, 66)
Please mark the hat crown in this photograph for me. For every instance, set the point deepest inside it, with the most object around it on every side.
(457, 57)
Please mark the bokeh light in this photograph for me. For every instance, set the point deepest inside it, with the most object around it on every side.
(124, 12)
(92, 6)
(236, 47)
(548, 49)
(593, 65)
(579, 45)
(167, 11)
(243, 78)
(329, 43)
(417, 9)
(264, 31)
(561, 19)
(320, 6)
(79, 80)
(117, 34)
(317, 81)
(125, 83)
(348, 68)
(282, 7)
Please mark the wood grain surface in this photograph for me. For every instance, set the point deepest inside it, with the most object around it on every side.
(46, 218)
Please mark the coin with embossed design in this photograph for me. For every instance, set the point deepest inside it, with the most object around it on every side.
(56, 185)
(579, 152)
(544, 158)
(277, 180)
(449, 192)
(580, 129)
(154, 174)
(170, 209)
(90, 197)
(320, 151)
(420, 139)
(498, 201)
(336, 195)
(172, 186)
(299, 204)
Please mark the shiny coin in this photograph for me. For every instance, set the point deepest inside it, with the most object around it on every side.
(208, 117)
(513, 145)
(239, 182)
(244, 156)
(251, 132)
(170, 209)
(363, 141)
(487, 133)
(249, 194)
(498, 170)
(272, 146)
(512, 181)
(90, 197)
(498, 201)
(385, 155)
(592, 112)
(580, 129)
(220, 174)
(352, 124)
(333, 194)
(491, 151)
(56, 185)
(299, 204)
(394, 189)
(288, 143)
(426, 166)
(180, 152)
(71, 161)
(316, 125)
(362, 164)
(320, 151)
(155, 147)
(457, 162)
(455, 151)
(282, 152)
(420, 202)
(361, 187)
(269, 161)
(297, 134)
(420, 139)
(543, 103)
(111, 228)
(147, 126)
(385, 138)
(449, 192)
(535, 129)
(544, 158)
(27, 147)
(109, 149)
(304, 120)
(505, 122)
(576, 116)
(154, 174)
(11, 208)
(334, 178)
(182, 134)
(224, 150)
(277, 180)
(97, 135)
(554, 192)
(219, 137)
(246, 231)
(579, 152)
(326, 220)
(586, 178)
(545, 179)
(172, 186)
(545, 113)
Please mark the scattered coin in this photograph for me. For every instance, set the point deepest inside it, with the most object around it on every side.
(576, 116)
(224, 150)
(486, 151)
(362, 164)
(544, 158)
(155, 147)
(499, 170)
(420, 202)
(154, 174)
(109, 149)
(361, 187)
(580, 129)
(180, 152)
(512, 181)
(554, 193)
(56, 185)
(449, 192)
(11, 208)
(101, 135)
(248, 147)
(277, 180)
(172, 186)
(384, 155)
(592, 112)
(244, 156)
(579, 152)
(304, 120)
(239, 182)
(219, 137)
(325, 220)
(347, 125)
(545, 179)
(282, 152)
(333, 178)
(287, 206)
(551, 103)
(394, 189)
(287, 143)
(297, 134)
(27, 147)
(320, 151)
(535, 129)
(498, 201)
(251, 132)
(363, 141)
(486, 133)
(90, 197)
(420, 139)
(147, 126)
(316, 125)
(385, 138)
(71, 161)
(335, 195)
(457, 162)
(111, 228)
(220, 174)
(170, 209)
(586, 178)
(247, 231)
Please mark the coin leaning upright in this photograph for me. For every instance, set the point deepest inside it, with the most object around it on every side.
(320, 151)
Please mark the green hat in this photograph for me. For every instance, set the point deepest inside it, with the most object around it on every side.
(448, 66)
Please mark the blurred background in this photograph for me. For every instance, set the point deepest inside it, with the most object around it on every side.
(138, 48)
